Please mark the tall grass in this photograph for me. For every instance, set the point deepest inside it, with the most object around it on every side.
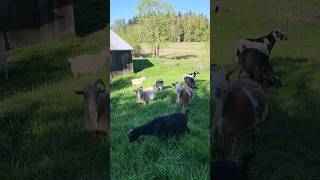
(41, 118)
(182, 157)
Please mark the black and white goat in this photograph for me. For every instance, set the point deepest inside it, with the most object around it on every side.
(231, 170)
(189, 79)
(263, 44)
(172, 124)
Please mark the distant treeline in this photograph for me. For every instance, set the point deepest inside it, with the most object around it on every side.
(187, 27)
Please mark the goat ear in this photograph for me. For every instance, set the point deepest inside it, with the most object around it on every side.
(78, 92)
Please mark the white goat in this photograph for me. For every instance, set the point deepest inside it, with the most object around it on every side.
(138, 81)
(88, 63)
(3, 64)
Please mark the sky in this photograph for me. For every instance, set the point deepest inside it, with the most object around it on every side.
(126, 9)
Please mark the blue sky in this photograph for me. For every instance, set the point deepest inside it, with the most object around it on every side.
(125, 9)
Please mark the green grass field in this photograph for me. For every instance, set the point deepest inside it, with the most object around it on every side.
(184, 157)
(288, 145)
(41, 118)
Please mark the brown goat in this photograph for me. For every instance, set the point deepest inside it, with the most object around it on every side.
(96, 107)
(239, 108)
(257, 65)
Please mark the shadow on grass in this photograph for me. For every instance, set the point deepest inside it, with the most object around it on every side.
(141, 64)
(33, 70)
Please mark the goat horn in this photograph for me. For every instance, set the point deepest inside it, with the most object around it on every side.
(99, 81)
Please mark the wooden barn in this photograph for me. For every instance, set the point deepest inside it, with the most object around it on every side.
(121, 55)
(34, 21)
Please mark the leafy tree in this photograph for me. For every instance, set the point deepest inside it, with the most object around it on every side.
(155, 18)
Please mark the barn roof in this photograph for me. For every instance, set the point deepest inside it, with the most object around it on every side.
(117, 43)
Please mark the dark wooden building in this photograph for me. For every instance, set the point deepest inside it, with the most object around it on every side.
(121, 55)
(34, 21)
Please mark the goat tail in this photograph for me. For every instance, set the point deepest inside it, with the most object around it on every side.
(187, 111)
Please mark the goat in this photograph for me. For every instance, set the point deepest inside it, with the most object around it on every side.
(148, 94)
(231, 170)
(185, 94)
(258, 67)
(96, 107)
(137, 81)
(189, 79)
(172, 124)
(263, 44)
(88, 63)
(3, 64)
(239, 109)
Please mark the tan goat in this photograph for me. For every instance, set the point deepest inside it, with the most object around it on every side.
(96, 107)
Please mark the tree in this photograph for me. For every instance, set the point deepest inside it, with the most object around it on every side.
(156, 18)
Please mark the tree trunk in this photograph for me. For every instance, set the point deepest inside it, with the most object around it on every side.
(158, 50)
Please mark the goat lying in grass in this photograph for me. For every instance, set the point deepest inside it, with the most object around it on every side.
(231, 170)
(148, 94)
(96, 107)
(189, 79)
(138, 81)
(239, 108)
(3, 64)
(263, 44)
(185, 94)
(258, 67)
(172, 124)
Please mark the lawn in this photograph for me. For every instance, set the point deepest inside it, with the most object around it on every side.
(287, 145)
(41, 118)
(183, 157)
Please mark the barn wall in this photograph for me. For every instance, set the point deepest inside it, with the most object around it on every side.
(121, 62)
(34, 21)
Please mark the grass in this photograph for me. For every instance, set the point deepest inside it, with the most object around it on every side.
(288, 144)
(41, 118)
(184, 157)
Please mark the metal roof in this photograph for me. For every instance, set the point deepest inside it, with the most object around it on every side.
(117, 43)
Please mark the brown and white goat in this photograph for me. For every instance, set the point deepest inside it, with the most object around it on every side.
(239, 108)
(96, 107)
(185, 94)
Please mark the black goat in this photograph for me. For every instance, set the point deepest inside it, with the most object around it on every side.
(231, 170)
(172, 124)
